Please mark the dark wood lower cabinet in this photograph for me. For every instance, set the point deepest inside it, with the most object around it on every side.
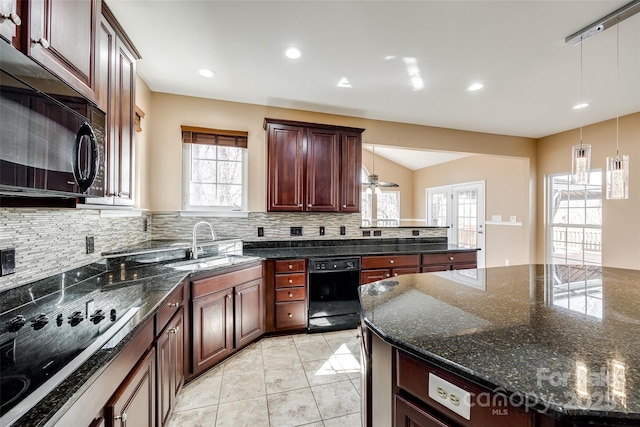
(249, 318)
(170, 355)
(409, 415)
(212, 329)
(133, 404)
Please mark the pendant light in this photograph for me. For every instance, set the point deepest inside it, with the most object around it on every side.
(581, 154)
(618, 166)
(373, 184)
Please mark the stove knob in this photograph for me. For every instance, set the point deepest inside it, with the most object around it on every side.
(97, 317)
(59, 319)
(76, 318)
(16, 323)
(112, 315)
(39, 322)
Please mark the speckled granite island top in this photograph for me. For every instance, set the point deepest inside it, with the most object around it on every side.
(564, 338)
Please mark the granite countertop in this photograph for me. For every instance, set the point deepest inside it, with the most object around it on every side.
(147, 286)
(570, 350)
(351, 250)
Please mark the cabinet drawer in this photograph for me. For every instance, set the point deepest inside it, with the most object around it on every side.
(465, 266)
(290, 294)
(171, 305)
(290, 266)
(373, 275)
(390, 261)
(395, 272)
(293, 279)
(449, 258)
(487, 408)
(291, 314)
(436, 267)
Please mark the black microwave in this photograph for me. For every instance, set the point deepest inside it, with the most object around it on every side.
(52, 139)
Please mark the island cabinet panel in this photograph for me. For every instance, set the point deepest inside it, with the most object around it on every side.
(323, 170)
(382, 267)
(487, 407)
(407, 414)
(133, 404)
(61, 36)
(451, 260)
(313, 167)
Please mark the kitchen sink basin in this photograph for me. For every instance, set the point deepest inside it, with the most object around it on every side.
(209, 263)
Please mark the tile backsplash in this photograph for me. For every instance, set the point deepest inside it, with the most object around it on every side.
(50, 241)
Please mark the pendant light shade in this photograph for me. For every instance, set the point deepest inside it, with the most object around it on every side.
(618, 177)
(581, 163)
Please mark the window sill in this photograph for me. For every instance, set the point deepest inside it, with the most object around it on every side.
(215, 214)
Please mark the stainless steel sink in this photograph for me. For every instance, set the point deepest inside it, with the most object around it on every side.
(209, 263)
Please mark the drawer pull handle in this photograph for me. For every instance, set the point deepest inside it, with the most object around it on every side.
(290, 295)
(290, 267)
(174, 304)
(390, 261)
(122, 417)
(290, 315)
(450, 258)
(290, 280)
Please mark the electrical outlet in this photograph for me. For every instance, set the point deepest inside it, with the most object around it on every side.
(322, 231)
(450, 396)
(89, 245)
(7, 261)
(366, 233)
(415, 232)
(377, 232)
(260, 231)
(343, 230)
(296, 231)
(145, 224)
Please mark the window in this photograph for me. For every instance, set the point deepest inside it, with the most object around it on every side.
(214, 165)
(387, 207)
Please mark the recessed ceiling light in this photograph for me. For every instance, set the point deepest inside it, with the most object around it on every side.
(206, 73)
(344, 82)
(580, 106)
(293, 52)
(475, 86)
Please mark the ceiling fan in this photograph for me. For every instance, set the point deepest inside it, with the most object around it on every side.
(373, 184)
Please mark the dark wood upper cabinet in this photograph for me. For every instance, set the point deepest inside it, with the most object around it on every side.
(61, 35)
(313, 167)
(323, 170)
(286, 167)
(350, 171)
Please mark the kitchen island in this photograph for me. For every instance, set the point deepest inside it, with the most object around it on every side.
(532, 345)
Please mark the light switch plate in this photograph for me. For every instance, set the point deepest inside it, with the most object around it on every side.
(496, 218)
(450, 396)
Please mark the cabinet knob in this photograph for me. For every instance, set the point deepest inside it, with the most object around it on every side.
(290, 295)
(174, 330)
(388, 275)
(300, 205)
(42, 42)
(290, 267)
(344, 206)
(229, 296)
(390, 261)
(122, 417)
(450, 258)
(395, 274)
(290, 280)
(13, 17)
(309, 205)
(290, 315)
(174, 304)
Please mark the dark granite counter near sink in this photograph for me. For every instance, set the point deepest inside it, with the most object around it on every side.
(569, 350)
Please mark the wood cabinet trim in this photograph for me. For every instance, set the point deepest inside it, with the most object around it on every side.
(202, 287)
(268, 121)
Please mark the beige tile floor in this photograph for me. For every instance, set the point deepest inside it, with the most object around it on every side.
(310, 380)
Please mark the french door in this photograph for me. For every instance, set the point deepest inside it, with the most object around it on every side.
(461, 208)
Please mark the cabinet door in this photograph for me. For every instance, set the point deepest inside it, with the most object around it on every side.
(133, 404)
(323, 170)
(8, 28)
(212, 329)
(409, 415)
(368, 276)
(249, 318)
(62, 38)
(170, 350)
(350, 169)
(285, 168)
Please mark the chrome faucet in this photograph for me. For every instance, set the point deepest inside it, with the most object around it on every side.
(194, 247)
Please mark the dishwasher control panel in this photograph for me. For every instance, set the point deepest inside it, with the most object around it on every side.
(318, 265)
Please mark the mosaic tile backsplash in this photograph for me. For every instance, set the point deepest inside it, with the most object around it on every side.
(50, 241)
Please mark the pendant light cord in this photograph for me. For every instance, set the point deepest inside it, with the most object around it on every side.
(581, 97)
(617, 84)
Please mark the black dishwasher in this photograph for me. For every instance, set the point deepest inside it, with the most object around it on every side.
(333, 294)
